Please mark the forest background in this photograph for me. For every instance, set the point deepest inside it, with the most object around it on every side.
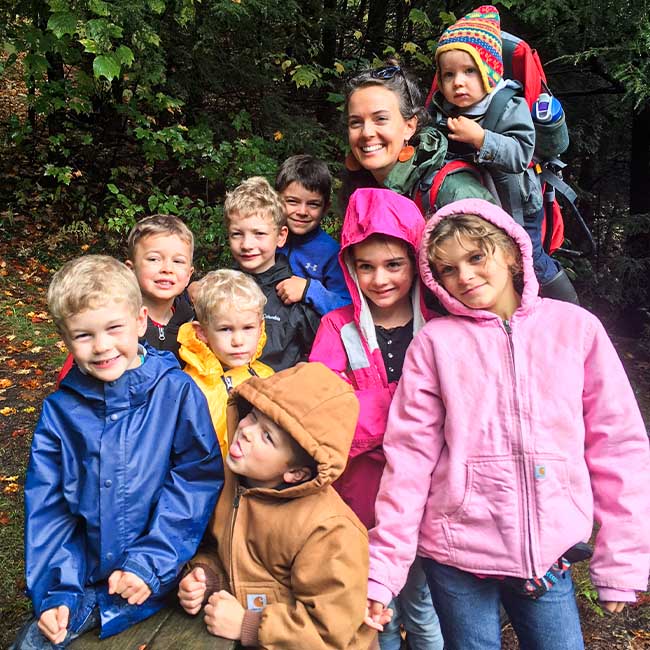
(114, 109)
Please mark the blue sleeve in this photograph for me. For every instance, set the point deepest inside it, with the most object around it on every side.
(187, 499)
(330, 292)
(55, 551)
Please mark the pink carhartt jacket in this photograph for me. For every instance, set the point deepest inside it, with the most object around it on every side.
(505, 441)
(346, 341)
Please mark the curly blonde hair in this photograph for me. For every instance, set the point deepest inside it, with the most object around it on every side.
(255, 196)
(224, 290)
(487, 237)
(89, 282)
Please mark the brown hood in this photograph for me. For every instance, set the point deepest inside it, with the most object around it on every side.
(317, 408)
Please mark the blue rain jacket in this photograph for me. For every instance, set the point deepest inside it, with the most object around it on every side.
(122, 475)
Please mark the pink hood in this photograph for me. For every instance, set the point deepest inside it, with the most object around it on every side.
(374, 211)
(498, 217)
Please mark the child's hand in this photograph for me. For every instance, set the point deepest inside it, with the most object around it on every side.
(612, 607)
(224, 616)
(53, 623)
(462, 129)
(291, 290)
(377, 615)
(128, 585)
(191, 591)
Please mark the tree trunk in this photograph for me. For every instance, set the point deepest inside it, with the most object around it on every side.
(377, 14)
(640, 164)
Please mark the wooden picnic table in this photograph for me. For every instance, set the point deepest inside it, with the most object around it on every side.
(170, 629)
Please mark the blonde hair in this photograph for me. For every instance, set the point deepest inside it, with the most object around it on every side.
(223, 289)
(159, 224)
(255, 195)
(483, 234)
(89, 282)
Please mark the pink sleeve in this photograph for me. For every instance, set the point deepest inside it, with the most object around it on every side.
(618, 456)
(412, 445)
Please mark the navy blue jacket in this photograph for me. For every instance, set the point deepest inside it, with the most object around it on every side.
(122, 475)
(315, 256)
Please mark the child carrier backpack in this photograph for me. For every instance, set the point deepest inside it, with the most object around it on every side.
(521, 63)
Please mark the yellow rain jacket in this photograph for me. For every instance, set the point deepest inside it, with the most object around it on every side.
(215, 382)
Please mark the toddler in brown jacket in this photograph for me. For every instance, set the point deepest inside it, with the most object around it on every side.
(285, 562)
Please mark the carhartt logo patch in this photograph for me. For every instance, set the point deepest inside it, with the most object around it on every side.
(540, 472)
(256, 602)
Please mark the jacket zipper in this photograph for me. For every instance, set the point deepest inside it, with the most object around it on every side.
(161, 333)
(240, 490)
(526, 513)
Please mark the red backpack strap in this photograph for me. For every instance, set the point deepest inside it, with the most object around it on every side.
(427, 194)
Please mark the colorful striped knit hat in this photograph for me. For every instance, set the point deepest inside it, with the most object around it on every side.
(479, 34)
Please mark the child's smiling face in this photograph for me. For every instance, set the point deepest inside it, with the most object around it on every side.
(460, 79)
(304, 208)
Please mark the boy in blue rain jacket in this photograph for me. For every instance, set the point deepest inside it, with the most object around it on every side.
(124, 469)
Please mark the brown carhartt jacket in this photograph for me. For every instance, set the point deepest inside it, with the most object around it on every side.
(296, 558)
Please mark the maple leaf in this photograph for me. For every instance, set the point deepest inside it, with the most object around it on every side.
(11, 488)
(4, 518)
(29, 409)
(8, 410)
(18, 433)
(5, 383)
(9, 479)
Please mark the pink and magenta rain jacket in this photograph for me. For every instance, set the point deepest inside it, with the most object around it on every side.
(346, 341)
(506, 441)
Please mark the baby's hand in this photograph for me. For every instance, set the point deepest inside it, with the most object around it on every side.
(291, 290)
(377, 615)
(128, 585)
(53, 623)
(191, 591)
(224, 616)
(462, 129)
(612, 607)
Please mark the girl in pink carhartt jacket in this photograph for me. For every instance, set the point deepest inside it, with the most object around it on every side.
(365, 343)
(513, 428)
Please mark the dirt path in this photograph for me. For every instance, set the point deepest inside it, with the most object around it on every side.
(31, 353)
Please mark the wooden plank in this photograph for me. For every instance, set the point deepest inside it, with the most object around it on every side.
(132, 639)
(182, 631)
(169, 629)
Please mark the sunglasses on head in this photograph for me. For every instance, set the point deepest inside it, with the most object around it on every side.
(388, 72)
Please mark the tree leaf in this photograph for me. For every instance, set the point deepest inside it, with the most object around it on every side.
(157, 6)
(61, 23)
(99, 7)
(124, 55)
(106, 65)
(112, 188)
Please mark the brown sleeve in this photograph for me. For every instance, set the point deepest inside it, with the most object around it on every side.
(250, 627)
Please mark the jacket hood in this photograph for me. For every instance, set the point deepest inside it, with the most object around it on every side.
(503, 220)
(374, 211)
(199, 356)
(135, 384)
(318, 410)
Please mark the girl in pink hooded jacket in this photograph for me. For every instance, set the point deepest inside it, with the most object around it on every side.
(513, 428)
(365, 343)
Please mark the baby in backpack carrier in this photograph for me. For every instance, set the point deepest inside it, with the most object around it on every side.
(469, 70)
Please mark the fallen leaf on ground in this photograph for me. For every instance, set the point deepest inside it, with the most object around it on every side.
(4, 519)
(5, 383)
(11, 488)
(29, 409)
(18, 433)
(7, 410)
(9, 479)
